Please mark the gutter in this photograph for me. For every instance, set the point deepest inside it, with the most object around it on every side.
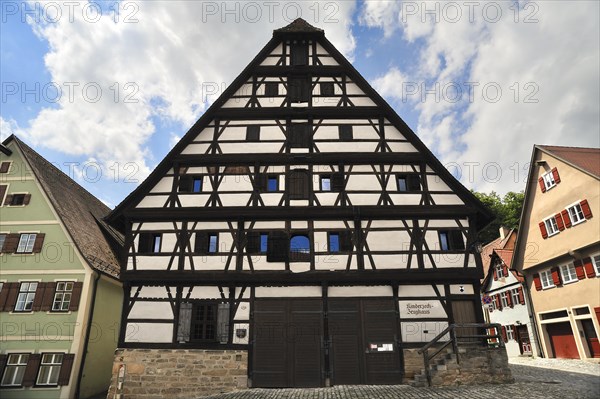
(87, 335)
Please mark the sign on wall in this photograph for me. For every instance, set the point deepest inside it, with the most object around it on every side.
(421, 309)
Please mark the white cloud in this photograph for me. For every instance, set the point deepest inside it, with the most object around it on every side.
(157, 67)
(7, 127)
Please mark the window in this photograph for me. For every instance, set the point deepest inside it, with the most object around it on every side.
(345, 132)
(149, 243)
(62, 296)
(2, 239)
(596, 262)
(298, 184)
(204, 322)
(253, 133)
(4, 167)
(493, 305)
(515, 297)
(327, 89)
(271, 89)
(499, 269)
(197, 185)
(49, 369)
(546, 279)
(551, 226)
(510, 334)
(26, 242)
(213, 243)
(17, 199)
(576, 214)
(325, 183)
(299, 89)
(16, 363)
(300, 248)
(272, 183)
(334, 242)
(504, 299)
(26, 297)
(300, 135)
(299, 53)
(409, 182)
(548, 179)
(190, 184)
(451, 240)
(568, 273)
(264, 240)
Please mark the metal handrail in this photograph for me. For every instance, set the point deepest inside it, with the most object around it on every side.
(454, 341)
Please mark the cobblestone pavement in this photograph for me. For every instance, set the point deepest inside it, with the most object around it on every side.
(534, 379)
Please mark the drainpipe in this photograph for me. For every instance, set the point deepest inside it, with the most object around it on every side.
(87, 335)
(532, 320)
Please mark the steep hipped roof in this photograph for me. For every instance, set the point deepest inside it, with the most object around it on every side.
(78, 210)
(584, 159)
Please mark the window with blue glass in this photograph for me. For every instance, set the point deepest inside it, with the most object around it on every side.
(273, 183)
(213, 243)
(334, 242)
(300, 248)
(325, 183)
(264, 239)
(197, 185)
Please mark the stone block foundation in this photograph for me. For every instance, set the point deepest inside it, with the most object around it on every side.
(177, 373)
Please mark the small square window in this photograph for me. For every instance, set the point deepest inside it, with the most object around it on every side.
(345, 132)
(264, 240)
(325, 183)
(451, 240)
(327, 89)
(149, 243)
(300, 135)
(17, 199)
(408, 182)
(253, 133)
(334, 242)
(272, 183)
(271, 89)
(197, 185)
(213, 243)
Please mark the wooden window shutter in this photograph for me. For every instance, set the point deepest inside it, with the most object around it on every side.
(579, 269)
(201, 244)
(300, 135)
(327, 89)
(566, 218)
(39, 296)
(585, 207)
(31, 370)
(4, 166)
(494, 271)
(260, 182)
(498, 301)
(299, 89)
(271, 89)
(345, 240)
(413, 182)
(186, 183)
(504, 337)
(39, 243)
(504, 270)
(555, 176)
(185, 322)
(278, 246)
(597, 311)
(75, 296)
(299, 54)
(48, 297)
(298, 184)
(65, 369)
(589, 267)
(338, 182)
(509, 299)
(542, 184)
(559, 222)
(543, 230)
(253, 133)
(3, 188)
(253, 242)
(223, 323)
(521, 296)
(144, 243)
(345, 132)
(537, 282)
(3, 359)
(8, 199)
(456, 240)
(27, 199)
(556, 276)
(8, 296)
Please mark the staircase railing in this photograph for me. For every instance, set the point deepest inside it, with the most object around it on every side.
(486, 339)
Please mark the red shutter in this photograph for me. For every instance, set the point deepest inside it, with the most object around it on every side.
(39, 242)
(579, 269)
(26, 199)
(495, 274)
(514, 327)
(543, 230)
(499, 301)
(504, 334)
(585, 207)
(48, 297)
(521, 296)
(74, 305)
(556, 276)
(542, 185)
(509, 299)
(566, 218)
(33, 364)
(537, 282)
(39, 295)
(589, 267)
(505, 270)
(65, 369)
(559, 222)
(597, 311)
(555, 175)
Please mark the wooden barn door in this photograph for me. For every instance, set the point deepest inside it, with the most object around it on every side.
(562, 340)
(464, 313)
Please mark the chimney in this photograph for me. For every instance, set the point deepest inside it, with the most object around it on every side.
(503, 232)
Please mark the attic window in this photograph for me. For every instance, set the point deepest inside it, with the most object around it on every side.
(408, 182)
(253, 133)
(451, 240)
(299, 89)
(190, 184)
(17, 199)
(300, 248)
(345, 132)
(327, 88)
(299, 54)
(299, 135)
(271, 89)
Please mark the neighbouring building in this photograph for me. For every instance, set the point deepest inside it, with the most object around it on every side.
(60, 298)
(558, 249)
(299, 235)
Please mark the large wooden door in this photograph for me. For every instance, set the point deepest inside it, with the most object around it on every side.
(363, 336)
(562, 340)
(464, 313)
(523, 339)
(591, 337)
(287, 343)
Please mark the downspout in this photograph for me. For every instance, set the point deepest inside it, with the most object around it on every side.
(531, 312)
(87, 334)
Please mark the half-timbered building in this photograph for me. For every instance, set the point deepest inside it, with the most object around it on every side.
(301, 229)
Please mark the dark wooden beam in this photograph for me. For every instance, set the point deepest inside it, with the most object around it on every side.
(270, 113)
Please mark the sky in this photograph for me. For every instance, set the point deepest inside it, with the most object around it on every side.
(105, 89)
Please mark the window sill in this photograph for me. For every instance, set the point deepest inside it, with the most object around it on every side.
(20, 313)
(12, 387)
(570, 282)
(549, 287)
(551, 187)
(553, 234)
(58, 313)
(47, 387)
(578, 222)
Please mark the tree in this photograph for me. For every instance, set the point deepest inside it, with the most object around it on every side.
(507, 211)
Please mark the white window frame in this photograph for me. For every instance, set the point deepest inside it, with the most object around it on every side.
(547, 281)
(15, 361)
(49, 361)
(551, 226)
(3, 235)
(596, 263)
(25, 296)
(62, 296)
(493, 305)
(576, 213)
(26, 243)
(514, 296)
(548, 180)
(568, 273)
(510, 334)
(499, 269)
(504, 299)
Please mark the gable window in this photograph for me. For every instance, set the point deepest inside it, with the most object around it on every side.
(190, 184)
(499, 269)
(300, 248)
(5, 166)
(264, 240)
(325, 183)
(515, 297)
(408, 182)
(62, 296)
(298, 184)
(213, 243)
(25, 297)
(334, 242)
(576, 214)
(271, 89)
(549, 181)
(272, 183)
(197, 185)
(26, 242)
(149, 243)
(451, 240)
(299, 54)
(300, 135)
(299, 89)
(345, 132)
(18, 199)
(204, 322)
(326, 88)
(546, 279)
(504, 299)
(16, 363)
(253, 133)
(551, 226)
(568, 273)
(49, 369)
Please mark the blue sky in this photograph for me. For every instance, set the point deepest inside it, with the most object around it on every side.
(479, 85)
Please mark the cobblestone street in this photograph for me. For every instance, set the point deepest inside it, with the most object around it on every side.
(539, 378)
